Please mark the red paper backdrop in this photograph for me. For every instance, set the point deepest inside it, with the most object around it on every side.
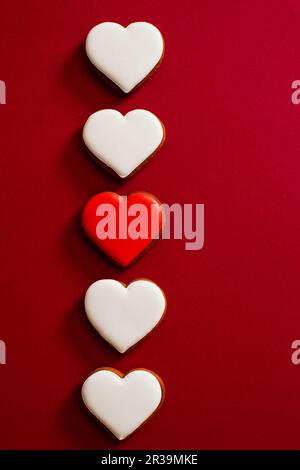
(233, 140)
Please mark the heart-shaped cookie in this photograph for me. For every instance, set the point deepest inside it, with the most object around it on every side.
(122, 403)
(125, 56)
(124, 315)
(123, 227)
(123, 143)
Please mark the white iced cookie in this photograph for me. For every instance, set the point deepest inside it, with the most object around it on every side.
(126, 56)
(123, 143)
(122, 403)
(123, 315)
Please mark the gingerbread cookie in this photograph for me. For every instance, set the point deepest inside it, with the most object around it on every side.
(124, 315)
(122, 144)
(125, 56)
(123, 227)
(122, 402)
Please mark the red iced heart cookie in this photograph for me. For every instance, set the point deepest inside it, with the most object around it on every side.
(123, 227)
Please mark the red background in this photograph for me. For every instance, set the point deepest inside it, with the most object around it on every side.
(223, 92)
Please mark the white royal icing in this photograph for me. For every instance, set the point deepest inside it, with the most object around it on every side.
(122, 404)
(125, 55)
(123, 142)
(124, 315)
